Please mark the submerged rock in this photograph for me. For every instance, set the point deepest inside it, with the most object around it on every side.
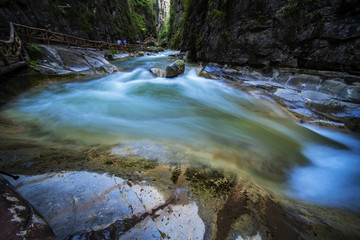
(175, 69)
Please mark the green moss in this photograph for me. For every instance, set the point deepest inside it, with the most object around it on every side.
(113, 51)
(210, 180)
(34, 52)
(33, 63)
(175, 175)
(291, 6)
(216, 14)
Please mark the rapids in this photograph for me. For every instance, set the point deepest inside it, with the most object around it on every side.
(198, 122)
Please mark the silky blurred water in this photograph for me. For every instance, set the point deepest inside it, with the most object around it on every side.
(195, 121)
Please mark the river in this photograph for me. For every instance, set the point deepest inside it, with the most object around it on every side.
(191, 120)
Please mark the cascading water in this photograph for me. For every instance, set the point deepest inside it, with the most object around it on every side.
(191, 119)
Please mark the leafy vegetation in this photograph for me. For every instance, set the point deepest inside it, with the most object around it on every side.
(131, 20)
(291, 6)
(175, 38)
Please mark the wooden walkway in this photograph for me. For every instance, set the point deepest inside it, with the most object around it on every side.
(11, 50)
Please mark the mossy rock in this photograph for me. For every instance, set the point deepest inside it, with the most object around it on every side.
(175, 69)
(34, 52)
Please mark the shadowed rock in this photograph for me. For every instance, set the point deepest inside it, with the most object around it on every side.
(18, 219)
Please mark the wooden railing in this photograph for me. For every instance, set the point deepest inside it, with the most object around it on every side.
(12, 47)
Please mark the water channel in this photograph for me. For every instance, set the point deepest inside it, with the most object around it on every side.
(191, 120)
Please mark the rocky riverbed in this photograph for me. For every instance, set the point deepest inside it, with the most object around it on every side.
(152, 189)
(317, 97)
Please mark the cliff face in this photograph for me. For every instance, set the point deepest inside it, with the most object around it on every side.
(292, 33)
(162, 13)
(99, 20)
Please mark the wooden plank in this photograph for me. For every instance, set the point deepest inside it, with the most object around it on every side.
(3, 56)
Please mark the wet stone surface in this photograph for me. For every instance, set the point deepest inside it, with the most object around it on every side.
(84, 204)
(308, 95)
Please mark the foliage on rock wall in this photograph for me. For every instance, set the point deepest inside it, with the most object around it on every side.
(108, 20)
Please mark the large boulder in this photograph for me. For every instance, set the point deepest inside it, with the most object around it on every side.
(175, 69)
(59, 60)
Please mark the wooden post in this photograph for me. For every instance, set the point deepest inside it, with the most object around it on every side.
(4, 58)
(47, 37)
(21, 58)
(28, 34)
(67, 41)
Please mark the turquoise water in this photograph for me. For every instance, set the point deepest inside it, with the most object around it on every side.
(195, 121)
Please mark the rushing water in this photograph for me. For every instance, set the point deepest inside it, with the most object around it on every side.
(198, 122)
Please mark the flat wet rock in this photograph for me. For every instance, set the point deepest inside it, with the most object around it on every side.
(93, 203)
(58, 60)
(307, 94)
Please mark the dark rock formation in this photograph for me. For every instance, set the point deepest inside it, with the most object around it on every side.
(97, 20)
(305, 34)
(18, 219)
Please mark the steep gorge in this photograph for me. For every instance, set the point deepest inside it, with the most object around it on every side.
(98, 20)
(279, 33)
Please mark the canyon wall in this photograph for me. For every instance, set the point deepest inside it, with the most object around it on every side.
(93, 19)
(318, 34)
(162, 14)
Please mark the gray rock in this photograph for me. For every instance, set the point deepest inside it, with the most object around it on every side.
(59, 60)
(83, 203)
(351, 93)
(157, 72)
(304, 82)
(316, 97)
(289, 95)
(333, 87)
(269, 85)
